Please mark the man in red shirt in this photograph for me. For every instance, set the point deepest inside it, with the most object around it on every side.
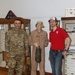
(60, 42)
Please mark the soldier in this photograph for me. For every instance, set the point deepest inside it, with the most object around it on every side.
(16, 44)
(38, 38)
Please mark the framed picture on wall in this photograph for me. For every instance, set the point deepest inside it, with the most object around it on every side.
(58, 24)
(70, 27)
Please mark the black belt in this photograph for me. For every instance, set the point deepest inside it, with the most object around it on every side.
(57, 50)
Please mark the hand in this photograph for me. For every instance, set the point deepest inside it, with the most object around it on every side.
(64, 53)
(36, 44)
(49, 58)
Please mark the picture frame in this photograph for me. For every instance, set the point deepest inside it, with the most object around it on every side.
(58, 24)
(70, 27)
(70, 12)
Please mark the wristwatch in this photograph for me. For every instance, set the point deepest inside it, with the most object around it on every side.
(65, 50)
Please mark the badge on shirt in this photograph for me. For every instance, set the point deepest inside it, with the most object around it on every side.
(56, 32)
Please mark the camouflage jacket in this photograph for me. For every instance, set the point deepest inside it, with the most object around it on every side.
(16, 41)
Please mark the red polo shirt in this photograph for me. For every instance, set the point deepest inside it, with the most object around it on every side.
(57, 38)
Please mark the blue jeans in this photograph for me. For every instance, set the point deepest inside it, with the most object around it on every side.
(56, 62)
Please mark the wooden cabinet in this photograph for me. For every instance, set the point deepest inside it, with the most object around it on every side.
(6, 25)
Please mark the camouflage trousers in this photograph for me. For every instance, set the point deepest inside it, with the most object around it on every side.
(16, 64)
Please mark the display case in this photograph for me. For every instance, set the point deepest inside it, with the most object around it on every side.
(68, 23)
(69, 64)
(6, 25)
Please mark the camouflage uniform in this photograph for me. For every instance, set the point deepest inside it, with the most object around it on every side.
(16, 42)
